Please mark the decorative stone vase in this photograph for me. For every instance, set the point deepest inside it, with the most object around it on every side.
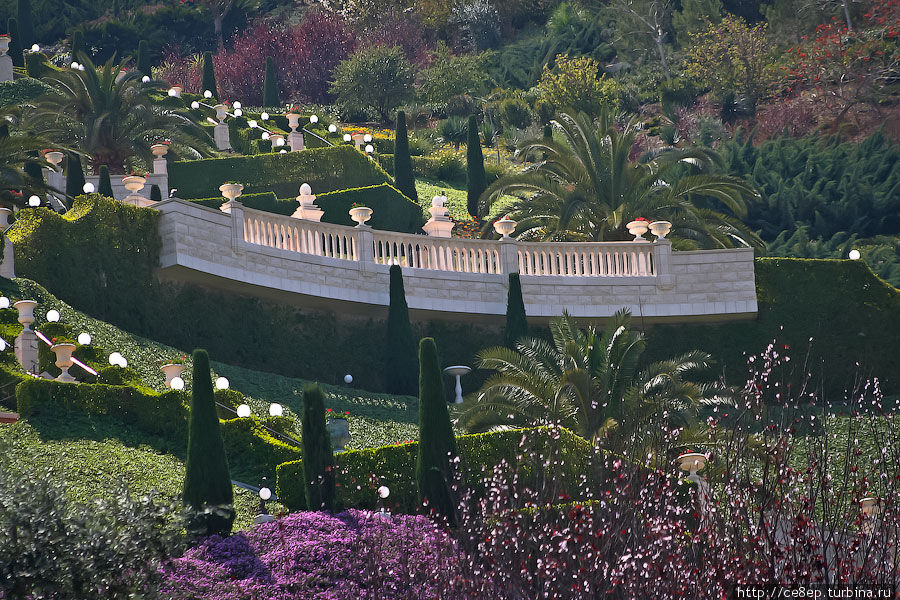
(339, 430)
(171, 371)
(869, 506)
(638, 229)
(691, 462)
(64, 359)
(660, 228)
(159, 150)
(275, 138)
(358, 139)
(230, 191)
(134, 183)
(293, 120)
(505, 226)
(4, 44)
(221, 112)
(176, 91)
(26, 312)
(4, 218)
(54, 158)
(361, 214)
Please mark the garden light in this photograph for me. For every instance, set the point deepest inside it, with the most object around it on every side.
(52, 316)
(264, 117)
(332, 128)
(2, 344)
(313, 119)
(252, 124)
(114, 358)
(34, 202)
(348, 378)
(347, 137)
(369, 148)
(282, 152)
(384, 492)
(265, 135)
(238, 112)
(221, 383)
(84, 339)
(81, 67)
(4, 302)
(177, 383)
(173, 92)
(145, 79)
(74, 65)
(243, 411)
(207, 94)
(276, 410)
(123, 362)
(35, 48)
(195, 104)
(854, 255)
(367, 138)
(279, 141)
(88, 188)
(237, 104)
(264, 493)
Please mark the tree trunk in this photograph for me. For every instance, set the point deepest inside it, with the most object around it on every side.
(847, 14)
(662, 53)
(217, 23)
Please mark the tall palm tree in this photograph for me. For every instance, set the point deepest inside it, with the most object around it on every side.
(109, 114)
(588, 381)
(17, 148)
(586, 187)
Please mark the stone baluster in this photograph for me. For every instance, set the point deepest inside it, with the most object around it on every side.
(6, 64)
(662, 264)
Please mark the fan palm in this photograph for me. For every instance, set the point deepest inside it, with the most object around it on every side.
(586, 187)
(109, 114)
(588, 381)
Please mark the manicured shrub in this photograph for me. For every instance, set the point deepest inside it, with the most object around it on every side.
(392, 211)
(400, 362)
(26, 24)
(104, 188)
(404, 179)
(155, 193)
(74, 176)
(36, 65)
(475, 177)
(270, 85)
(143, 58)
(208, 78)
(437, 445)
(20, 91)
(318, 458)
(378, 78)
(516, 113)
(15, 44)
(516, 323)
(207, 482)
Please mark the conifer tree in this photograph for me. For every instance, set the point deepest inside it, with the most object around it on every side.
(437, 445)
(208, 80)
(271, 96)
(318, 456)
(15, 44)
(400, 352)
(516, 322)
(207, 482)
(104, 188)
(143, 59)
(26, 24)
(476, 180)
(404, 179)
(77, 44)
(74, 176)
(155, 193)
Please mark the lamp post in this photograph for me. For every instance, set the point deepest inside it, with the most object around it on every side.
(458, 371)
(264, 495)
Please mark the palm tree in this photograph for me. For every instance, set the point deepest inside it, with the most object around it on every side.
(109, 114)
(586, 188)
(588, 381)
(17, 148)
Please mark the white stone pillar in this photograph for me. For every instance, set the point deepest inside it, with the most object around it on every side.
(221, 136)
(236, 210)
(7, 267)
(26, 346)
(365, 247)
(308, 210)
(6, 65)
(439, 225)
(509, 255)
(295, 140)
(662, 264)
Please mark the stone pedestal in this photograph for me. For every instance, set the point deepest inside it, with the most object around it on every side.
(6, 68)
(160, 166)
(221, 136)
(27, 350)
(7, 267)
(509, 255)
(439, 225)
(308, 211)
(295, 141)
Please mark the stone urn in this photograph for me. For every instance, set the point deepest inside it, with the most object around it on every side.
(230, 191)
(159, 150)
(277, 140)
(339, 430)
(54, 158)
(869, 506)
(293, 120)
(505, 226)
(171, 371)
(660, 228)
(134, 183)
(638, 229)
(4, 44)
(361, 214)
(221, 112)
(175, 91)
(26, 312)
(691, 462)
(4, 218)
(63, 353)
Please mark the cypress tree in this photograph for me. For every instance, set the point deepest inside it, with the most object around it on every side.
(155, 193)
(104, 188)
(15, 45)
(208, 81)
(77, 44)
(516, 323)
(318, 457)
(143, 58)
(74, 176)
(476, 180)
(26, 24)
(437, 445)
(548, 131)
(270, 84)
(404, 180)
(207, 482)
(400, 360)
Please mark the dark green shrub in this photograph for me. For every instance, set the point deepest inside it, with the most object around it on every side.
(318, 457)
(454, 131)
(26, 24)
(476, 182)
(392, 211)
(37, 65)
(545, 111)
(261, 146)
(15, 45)
(155, 193)
(74, 175)
(208, 77)
(400, 365)
(460, 105)
(675, 93)
(270, 85)
(516, 113)
(516, 322)
(207, 482)
(143, 58)
(253, 448)
(104, 188)
(77, 44)
(437, 445)
(404, 179)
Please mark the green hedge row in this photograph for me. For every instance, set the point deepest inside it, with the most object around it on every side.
(20, 91)
(360, 472)
(445, 166)
(325, 169)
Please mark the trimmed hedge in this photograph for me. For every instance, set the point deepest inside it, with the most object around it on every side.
(360, 472)
(325, 169)
(263, 201)
(445, 166)
(20, 91)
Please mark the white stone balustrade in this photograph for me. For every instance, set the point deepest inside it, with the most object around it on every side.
(321, 264)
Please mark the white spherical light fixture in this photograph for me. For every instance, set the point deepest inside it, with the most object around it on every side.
(384, 491)
(74, 65)
(367, 138)
(264, 493)
(314, 119)
(123, 362)
(264, 116)
(243, 411)
(252, 124)
(369, 148)
(265, 135)
(348, 378)
(84, 339)
(237, 105)
(35, 48)
(347, 137)
(221, 383)
(4, 302)
(854, 255)
(279, 141)
(2, 344)
(238, 112)
(173, 92)
(177, 383)
(282, 152)
(88, 188)
(332, 128)
(53, 316)
(145, 79)
(207, 94)
(34, 202)
(276, 410)
(195, 105)
(114, 358)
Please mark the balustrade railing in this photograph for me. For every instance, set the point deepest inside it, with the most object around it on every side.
(439, 254)
(594, 259)
(297, 235)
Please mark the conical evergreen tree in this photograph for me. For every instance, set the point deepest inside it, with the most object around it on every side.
(77, 44)
(143, 59)
(400, 360)
(74, 176)
(26, 24)
(270, 84)
(15, 44)
(33, 169)
(104, 188)
(207, 482)
(516, 323)
(208, 81)
(155, 193)
(548, 132)
(476, 180)
(437, 445)
(318, 457)
(404, 179)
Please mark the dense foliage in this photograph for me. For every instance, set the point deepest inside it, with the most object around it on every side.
(318, 461)
(400, 365)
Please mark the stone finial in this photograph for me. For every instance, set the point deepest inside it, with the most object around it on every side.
(308, 211)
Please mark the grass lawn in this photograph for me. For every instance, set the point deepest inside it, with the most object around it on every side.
(456, 197)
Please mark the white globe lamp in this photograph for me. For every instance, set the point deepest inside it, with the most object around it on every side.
(276, 410)
(177, 383)
(221, 383)
(243, 411)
